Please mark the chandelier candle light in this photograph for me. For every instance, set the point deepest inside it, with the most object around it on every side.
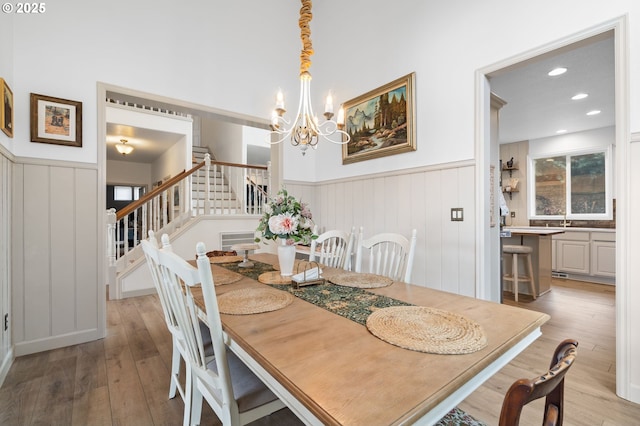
(305, 131)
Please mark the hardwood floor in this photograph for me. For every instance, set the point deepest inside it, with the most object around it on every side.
(123, 379)
(578, 310)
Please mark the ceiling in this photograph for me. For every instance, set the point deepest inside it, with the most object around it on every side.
(148, 144)
(539, 105)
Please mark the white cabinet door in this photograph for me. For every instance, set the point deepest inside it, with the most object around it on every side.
(603, 258)
(573, 256)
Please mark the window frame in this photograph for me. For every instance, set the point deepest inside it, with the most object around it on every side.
(608, 173)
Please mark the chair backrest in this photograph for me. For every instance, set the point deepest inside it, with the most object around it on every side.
(390, 255)
(331, 248)
(550, 384)
(178, 277)
(150, 254)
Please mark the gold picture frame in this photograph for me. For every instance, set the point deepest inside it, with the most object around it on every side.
(6, 108)
(381, 122)
(56, 121)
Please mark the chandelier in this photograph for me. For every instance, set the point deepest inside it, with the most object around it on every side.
(306, 131)
(123, 148)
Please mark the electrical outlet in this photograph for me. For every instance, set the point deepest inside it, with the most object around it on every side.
(513, 214)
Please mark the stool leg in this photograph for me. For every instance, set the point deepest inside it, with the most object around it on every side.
(514, 266)
(533, 285)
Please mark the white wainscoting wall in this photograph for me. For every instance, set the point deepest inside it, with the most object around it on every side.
(420, 198)
(56, 275)
(6, 349)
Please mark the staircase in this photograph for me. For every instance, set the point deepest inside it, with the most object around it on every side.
(219, 188)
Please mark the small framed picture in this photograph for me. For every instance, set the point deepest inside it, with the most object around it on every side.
(6, 108)
(56, 121)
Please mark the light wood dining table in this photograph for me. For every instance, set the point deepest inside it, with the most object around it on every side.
(330, 370)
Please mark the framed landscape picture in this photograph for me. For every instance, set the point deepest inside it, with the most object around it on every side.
(56, 121)
(381, 122)
(6, 108)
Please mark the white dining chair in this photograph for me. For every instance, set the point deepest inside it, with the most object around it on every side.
(331, 248)
(389, 254)
(150, 248)
(235, 394)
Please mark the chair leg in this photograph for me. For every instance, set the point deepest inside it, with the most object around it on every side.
(533, 286)
(196, 404)
(514, 266)
(175, 371)
(188, 397)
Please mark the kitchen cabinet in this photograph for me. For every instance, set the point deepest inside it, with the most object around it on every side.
(588, 255)
(603, 254)
(573, 256)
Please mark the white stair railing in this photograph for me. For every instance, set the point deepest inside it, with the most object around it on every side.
(209, 188)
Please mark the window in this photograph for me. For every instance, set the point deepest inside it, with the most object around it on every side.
(575, 186)
(127, 193)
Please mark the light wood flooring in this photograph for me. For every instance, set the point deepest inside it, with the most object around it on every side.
(123, 379)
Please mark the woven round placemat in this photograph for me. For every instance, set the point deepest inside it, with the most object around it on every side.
(225, 259)
(246, 301)
(222, 276)
(424, 329)
(273, 277)
(359, 280)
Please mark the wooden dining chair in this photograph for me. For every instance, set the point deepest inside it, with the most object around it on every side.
(550, 384)
(390, 255)
(524, 391)
(235, 394)
(331, 248)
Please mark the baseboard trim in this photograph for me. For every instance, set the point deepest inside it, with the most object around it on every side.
(142, 292)
(6, 365)
(55, 342)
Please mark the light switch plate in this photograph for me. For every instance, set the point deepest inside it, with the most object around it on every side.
(457, 214)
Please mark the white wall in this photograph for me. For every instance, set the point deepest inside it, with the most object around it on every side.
(129, 173)
(175, 160)
(224, 140)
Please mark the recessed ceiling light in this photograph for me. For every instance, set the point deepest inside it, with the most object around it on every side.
(557, 71)
(561, 131)
(579, 96)
(594, 112)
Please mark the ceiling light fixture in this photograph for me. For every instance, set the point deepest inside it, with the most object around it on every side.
(305, 131)
(123, 148)
(594, 112)
(561, 131)
(579, 96)
(557, 71)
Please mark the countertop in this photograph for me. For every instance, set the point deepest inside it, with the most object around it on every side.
(544, 230)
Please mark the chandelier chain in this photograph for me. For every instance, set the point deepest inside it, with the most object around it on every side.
(305, 37)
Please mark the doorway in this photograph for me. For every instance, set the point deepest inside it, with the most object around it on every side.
(489, 270)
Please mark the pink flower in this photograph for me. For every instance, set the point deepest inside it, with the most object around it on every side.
(283, 224)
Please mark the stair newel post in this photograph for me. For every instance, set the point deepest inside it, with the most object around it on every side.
(111, 236)
(207, 179)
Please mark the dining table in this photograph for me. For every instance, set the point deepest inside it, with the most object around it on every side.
(323, 361)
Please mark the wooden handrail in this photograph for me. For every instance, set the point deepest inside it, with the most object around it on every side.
(129, 208)
(246, 166)
(256, 186)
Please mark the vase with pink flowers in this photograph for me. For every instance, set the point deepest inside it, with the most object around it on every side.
(288, 221)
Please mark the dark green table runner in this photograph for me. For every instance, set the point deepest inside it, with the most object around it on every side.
(355, 304)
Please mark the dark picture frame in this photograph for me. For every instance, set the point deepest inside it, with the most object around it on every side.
(56, 121)
(6, 108)
(381, 122)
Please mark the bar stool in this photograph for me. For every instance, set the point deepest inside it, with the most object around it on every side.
(525, 252)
